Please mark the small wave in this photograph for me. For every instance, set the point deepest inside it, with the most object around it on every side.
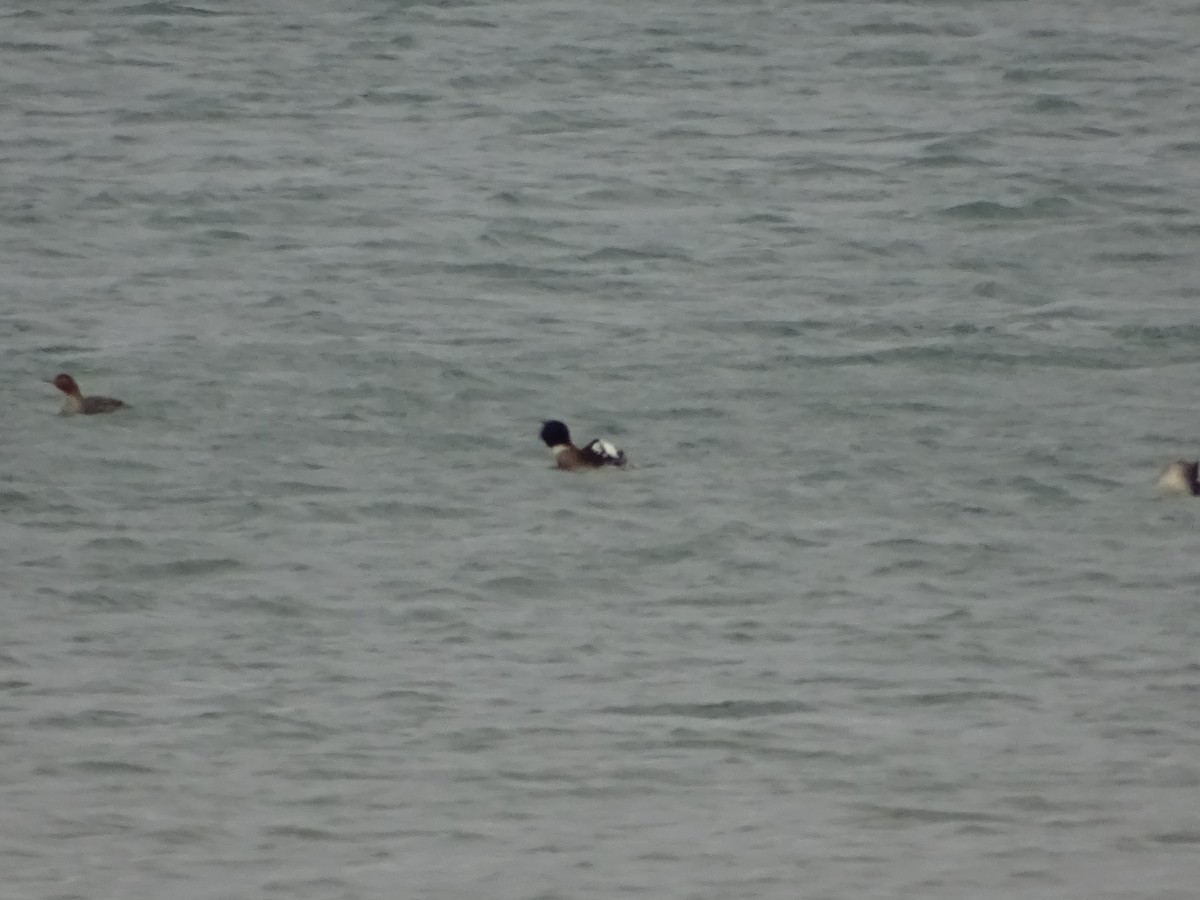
(929, 815)
(887, 58)
(113, 767)
(29, 47)
(1176, 838)
(990, 210)
(187, 568)
(1053, 103)
(608, 254)
(727, 709)
(92, 718)
(1183, 334)
(158, 8)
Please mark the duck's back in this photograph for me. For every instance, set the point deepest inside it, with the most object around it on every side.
(603, 453)
(93, 405)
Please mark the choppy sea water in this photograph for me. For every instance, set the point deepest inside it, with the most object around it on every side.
(893, 305)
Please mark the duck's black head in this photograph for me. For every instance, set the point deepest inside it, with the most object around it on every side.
(554, 433)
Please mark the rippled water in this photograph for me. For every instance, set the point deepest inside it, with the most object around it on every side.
(893, 305)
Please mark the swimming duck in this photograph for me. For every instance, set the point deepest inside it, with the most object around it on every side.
(75, 402)
(1179, 477)
(594, 455)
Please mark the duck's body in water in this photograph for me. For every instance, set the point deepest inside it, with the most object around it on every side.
(594, 455)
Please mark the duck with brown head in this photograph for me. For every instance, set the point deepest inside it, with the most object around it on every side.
(75, 402)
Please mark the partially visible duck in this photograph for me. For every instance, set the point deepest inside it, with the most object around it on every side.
(594, 455)
(1179, 477)
(75, 402)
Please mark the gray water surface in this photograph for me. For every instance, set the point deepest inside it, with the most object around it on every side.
(895, 307)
